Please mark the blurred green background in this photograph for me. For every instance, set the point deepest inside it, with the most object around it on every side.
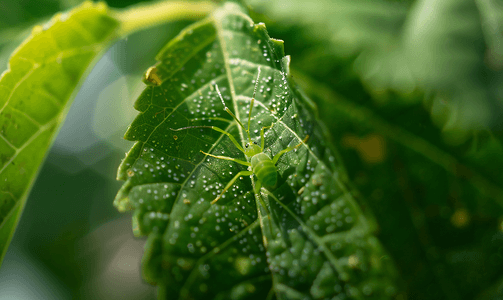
(411, 94)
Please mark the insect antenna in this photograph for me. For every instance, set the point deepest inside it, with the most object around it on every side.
(232, 115)
(216, 129)
(253, 98)
(190, 127)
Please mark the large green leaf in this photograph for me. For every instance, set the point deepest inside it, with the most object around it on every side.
(305, 238)
(34, 96)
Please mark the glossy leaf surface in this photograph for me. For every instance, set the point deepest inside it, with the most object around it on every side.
(306, 237)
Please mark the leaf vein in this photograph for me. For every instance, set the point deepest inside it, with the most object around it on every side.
(195, 93)
(27, 116)
(26, 76)
(7, 142)
(31, 139)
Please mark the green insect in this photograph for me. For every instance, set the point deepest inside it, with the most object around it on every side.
(260, 164)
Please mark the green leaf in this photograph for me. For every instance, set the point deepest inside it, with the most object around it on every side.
(346, 27)
(449, 50)
(445, 51)
(34, 98)
(439, 208)
(307, 237)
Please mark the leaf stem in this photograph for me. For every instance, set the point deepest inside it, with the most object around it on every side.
(144, 16)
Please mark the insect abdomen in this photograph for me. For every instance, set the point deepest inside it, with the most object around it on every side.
(264, 169)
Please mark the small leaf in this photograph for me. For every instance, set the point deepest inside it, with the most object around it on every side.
(304, 238)
(34, 98)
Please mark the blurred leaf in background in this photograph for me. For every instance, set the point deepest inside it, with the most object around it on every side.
(414, 105)
(448, 49)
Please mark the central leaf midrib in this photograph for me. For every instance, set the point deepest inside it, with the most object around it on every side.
(225, 55)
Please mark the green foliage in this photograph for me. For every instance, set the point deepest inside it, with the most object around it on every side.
(448, 49)
(307, 237)
(34, 92)
(438, 206)
(19, 12)
(410, 92)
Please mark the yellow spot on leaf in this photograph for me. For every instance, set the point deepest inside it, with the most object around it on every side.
(242, 265)
(372, 148)
(353, 261)
(460, 218)
(301, 190)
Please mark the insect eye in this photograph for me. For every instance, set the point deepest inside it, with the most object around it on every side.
(246, 146)
(255, 143)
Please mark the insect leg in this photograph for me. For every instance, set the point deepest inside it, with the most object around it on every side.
(210, 118)
(258, 186)
(216, 129)
(278, 155)
(242, 162)
(242, 173)
(230, 112)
